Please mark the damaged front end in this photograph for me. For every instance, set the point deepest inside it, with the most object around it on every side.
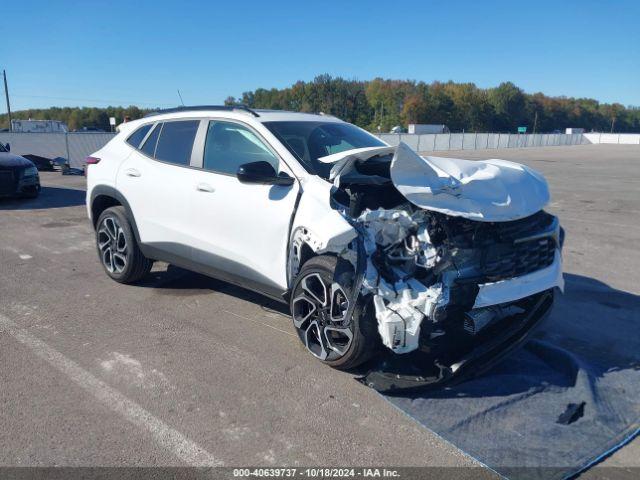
(458, 258)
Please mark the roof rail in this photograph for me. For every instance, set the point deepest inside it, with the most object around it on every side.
(197, 108)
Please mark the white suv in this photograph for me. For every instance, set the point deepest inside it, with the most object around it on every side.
(436, 265)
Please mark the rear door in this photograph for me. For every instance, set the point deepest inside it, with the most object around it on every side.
(155, 180)
(241, 229)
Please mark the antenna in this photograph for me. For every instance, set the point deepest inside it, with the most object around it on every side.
(181, 101)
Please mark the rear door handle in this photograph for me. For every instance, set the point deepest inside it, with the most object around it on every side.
(205, 187)
(132, 172)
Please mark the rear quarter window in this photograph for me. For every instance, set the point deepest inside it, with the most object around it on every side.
(136, 137)
(149, 146)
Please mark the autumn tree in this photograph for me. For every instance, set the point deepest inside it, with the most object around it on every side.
(386, 103)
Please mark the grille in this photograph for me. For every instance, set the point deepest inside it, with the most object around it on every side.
(466, 233)
(512, 260)
(510, 231)
(7, 182)
(506, 249)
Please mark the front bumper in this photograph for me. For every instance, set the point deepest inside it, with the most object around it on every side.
(398, 373)
(13, 183)
(29, 185)
(520, 287)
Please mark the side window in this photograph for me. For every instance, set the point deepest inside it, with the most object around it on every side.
(176, 141)
(149, 146)
(136, 137)
(229, 145)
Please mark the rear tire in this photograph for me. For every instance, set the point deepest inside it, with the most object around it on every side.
(118, 249)
(319, 301)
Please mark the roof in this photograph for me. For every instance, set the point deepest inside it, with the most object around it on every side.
(242, 113)
(261, 115)
(283, 116)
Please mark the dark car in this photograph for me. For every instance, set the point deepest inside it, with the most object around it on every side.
(43, 164)
(18, 176)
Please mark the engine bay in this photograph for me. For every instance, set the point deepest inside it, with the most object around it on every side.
(424, 269)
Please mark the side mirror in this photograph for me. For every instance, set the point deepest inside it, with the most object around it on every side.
(7, 147)
(262, 173)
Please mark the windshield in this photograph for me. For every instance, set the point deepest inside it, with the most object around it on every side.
(308, 141)
(2, 149)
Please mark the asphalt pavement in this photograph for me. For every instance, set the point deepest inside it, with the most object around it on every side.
(186, 370)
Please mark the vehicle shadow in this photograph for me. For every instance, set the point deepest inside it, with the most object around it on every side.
(50, 197)
(592, 331)
(178, 282)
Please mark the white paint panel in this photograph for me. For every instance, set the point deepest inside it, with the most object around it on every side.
(521, 287)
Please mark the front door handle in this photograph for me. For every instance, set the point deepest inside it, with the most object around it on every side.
(205, 187)
(132, 172)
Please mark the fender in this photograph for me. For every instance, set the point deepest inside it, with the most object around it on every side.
(105, 190)
(316, 226)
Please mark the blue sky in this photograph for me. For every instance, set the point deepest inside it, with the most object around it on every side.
(98, 53)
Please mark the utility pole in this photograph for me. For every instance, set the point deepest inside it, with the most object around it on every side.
(613, 122)
(6, 94)
(535, 122)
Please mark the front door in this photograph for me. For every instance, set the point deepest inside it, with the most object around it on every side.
(241, 229)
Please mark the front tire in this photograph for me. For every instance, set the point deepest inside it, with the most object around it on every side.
(320, 298)
(118, 249)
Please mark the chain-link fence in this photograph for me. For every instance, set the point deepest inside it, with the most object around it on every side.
(619, 138)
(77, 146)
(476, 141)
(73, 146)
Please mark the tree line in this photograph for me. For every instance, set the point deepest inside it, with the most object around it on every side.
(381, 104)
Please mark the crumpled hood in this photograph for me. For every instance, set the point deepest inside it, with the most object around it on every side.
(486, 190)
(8, 160)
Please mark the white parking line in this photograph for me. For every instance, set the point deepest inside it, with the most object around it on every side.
(167, 437)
